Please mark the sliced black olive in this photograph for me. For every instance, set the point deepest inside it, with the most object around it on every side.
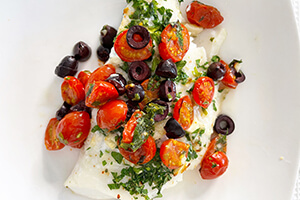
(224, 125)
(239, 75)
(103, 53)
(135, 92)
(137, 37)
(173, 129)
(167, 90)
(118, 81)
(132, 107)
(166, 69)
(139, 71)
(160, 117)
(82, 51)
(67, 67)
(62, 111)
(216, 71)
(107, 35)
(82, 107)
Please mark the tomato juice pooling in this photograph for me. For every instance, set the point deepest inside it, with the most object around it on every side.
(156, 79)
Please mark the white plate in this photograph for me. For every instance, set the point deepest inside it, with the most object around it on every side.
(263, 151)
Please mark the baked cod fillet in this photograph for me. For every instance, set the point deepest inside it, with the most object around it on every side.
(98, 164)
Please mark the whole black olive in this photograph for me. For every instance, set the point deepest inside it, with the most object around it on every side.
(139, 71)
(135, 92)
(137, 37)
(103, 53)
(174, 129)
(107, 35)
(132, 107)
(67, 67)
(118, 81)
(160, 117)
(167, 90)
(216, 71)
(224, 125)
(167, 69)
(82, 107)
(62, 111)
(82, 51)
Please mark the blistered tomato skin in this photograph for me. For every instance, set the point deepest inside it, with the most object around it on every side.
(203, 15)
(203, 91)
(143, 154)
(51, 141)
(175, 42)
(74, 128)
(102, 73)
(128, 131)
(172, 153)
(83, 77)
(72, 90)
(128, 54)
(229, 77)
(183, 112)
(112, 114)
(99, 92)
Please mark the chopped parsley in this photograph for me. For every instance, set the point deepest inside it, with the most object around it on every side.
(215, 58)
(97, 128)
(117, 156)
(182, 77)
(214, 105)
(100, 154)
(191, 154)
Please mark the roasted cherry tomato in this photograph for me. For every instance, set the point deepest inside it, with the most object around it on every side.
(203, 91)
(111, 115)
(175, 42)
(98, 93)
(172, 153)
(229, 77)
(203, 15)
(72, 90)
(102, 73)
(183, 112)
(128, 54)
(128, 131)
(214, 165)
(74, 128)
(151, 92)
(143, 154)
(51, 141)
(84, 76)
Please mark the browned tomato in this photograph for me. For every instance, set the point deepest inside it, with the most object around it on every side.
(51, 141)
(72, 90)
(203, 91)
(151, 93)
(102, 73)
(128, 131)
(229, 77)
(83, 77)
(183, 112)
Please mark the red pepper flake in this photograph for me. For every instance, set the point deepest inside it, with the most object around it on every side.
(118, 196)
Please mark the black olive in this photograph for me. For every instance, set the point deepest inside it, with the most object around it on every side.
(167, 90)
(166, 69)
(137, 31)
(67, 67)
(62, 111)
(132, 107)
(160, 117)
(224, 125)
(82, 51)
(216, 71)
(118, 81)
(82, 107)
(174, 129)
(239, 75)
(107, 35)
(139, 71)
(103, 53)
(135, 92)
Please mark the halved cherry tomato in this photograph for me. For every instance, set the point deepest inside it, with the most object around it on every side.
(83, 77)
(128, 131)
(128, 54)
(99, 92)
(172, 153)
(183, 112)
(102, 73)
(74, 128)
(203, 91)
(214, 165)
(203, 15)
(143, 154)
(151, 93)
(175, 42)
(51, 141)
(229, 77)
(112, 114)
(72, 90)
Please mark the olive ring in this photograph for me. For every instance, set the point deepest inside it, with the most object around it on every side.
(224, 125)
(142, 32)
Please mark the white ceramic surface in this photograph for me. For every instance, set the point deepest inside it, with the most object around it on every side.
(263, 151)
